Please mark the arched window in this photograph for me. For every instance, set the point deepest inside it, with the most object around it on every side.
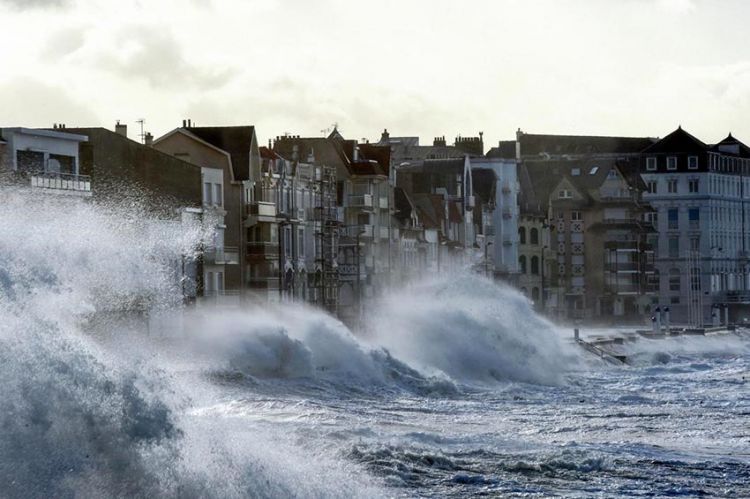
(535, 294)
(522, 263)
(535, 265)
(534, 235)
(522, 235)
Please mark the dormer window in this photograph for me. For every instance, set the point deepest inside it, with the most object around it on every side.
(565, 194)
(692, 162)
(651, 164)
(672, 163)
(575, 172)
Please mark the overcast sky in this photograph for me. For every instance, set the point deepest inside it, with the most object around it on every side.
(427, 68)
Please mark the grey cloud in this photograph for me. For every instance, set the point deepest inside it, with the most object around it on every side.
(63, 43)
(50, 105)
(34, 4)
(160, 59)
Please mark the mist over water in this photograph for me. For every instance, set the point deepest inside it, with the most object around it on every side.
(453, 386)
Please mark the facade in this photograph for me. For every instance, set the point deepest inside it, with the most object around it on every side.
(364, 201)
(500, 224)
(46, 160)
(230, 161)
(555, 265)
(698, 193)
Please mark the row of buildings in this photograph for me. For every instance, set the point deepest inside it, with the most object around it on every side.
(589, 228)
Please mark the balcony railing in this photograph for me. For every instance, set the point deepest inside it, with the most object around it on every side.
(363, 201)
(62, 182)
(261, 209)
(229, 255)
(319, 214)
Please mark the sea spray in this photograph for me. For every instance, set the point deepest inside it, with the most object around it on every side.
(471, 330)
(79, 418)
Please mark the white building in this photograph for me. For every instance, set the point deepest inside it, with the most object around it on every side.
(45, 159)
(701, 217)
(503, 236)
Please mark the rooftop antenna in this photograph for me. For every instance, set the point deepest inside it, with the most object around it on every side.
(142, 135)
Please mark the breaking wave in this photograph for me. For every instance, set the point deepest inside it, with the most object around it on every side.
(81, 419)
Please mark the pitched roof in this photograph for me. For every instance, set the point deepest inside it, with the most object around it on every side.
(506, 149)
(236, 140)
(325, 151)
(540, 144)
(678, 141)
(732, 146)
(540, 178)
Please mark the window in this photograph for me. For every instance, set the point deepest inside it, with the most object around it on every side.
(651, 164)
(534, 236)
(564, 194)
(220, 281)
(651, 186)
(575, 172)
(217, 195)
(694, 217)
(672, 163)
(535, 293)
(575, 215)
(674, 247)
(522, 235)
(693, 185)
(673, 219)
(535, 265)
(692, 162)
(207, 193)
(301, 243)
(522, 263)
(593, 170)
(695, 243)
(672, 186)
(674, 279)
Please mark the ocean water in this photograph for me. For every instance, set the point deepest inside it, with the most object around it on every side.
(454, 387)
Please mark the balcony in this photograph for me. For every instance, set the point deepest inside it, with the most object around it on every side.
(260, 211)
(363, 201)
(262, 251)
(228, 255)
(63, 183)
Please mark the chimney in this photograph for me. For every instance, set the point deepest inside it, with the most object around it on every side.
(148, 139)
(121, 129)
(184, 123)
(385, 136)
(439, 141)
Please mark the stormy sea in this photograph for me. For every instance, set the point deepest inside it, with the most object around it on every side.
(453, 387)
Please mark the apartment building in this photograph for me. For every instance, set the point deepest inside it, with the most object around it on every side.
(365, 205)
(44, 160)
(698, 193)
(601, 264)
(229, 160)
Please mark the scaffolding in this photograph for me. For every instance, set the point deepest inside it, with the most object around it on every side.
(327, 227)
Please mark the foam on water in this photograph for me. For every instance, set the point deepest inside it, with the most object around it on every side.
(78, 419)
